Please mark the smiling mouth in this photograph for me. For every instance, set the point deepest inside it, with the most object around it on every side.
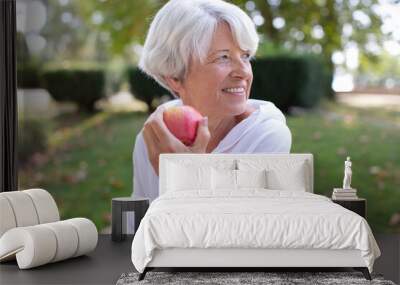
(238, 91)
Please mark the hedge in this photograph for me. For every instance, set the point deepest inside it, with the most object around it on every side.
(83, 87)
(290, 81)
(145, 88)
(28, 76)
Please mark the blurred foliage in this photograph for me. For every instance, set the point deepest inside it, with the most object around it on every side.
(126, 22)
(81, 86)
(291, 81)
(28, 66)
(32, 138)
(115, 76)
(102, 31)
(146, 88)
(382, 70)
(68, 36)
(22, 50)
(303, 18)
(28, 76)
(123, 22)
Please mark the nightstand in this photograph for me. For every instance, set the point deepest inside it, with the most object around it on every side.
(120, 206)
(358, 206)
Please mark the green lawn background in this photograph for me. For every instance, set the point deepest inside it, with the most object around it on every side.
(89, 159)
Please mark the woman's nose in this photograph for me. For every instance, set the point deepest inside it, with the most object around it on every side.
(241, 69)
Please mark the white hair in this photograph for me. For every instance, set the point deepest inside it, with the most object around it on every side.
(182, 29)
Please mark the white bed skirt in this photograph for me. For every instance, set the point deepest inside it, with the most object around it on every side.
(212, 257)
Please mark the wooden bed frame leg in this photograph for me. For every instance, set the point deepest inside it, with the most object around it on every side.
(143, 274)
(364, 271)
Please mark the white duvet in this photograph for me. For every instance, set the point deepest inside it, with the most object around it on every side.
(250, 218)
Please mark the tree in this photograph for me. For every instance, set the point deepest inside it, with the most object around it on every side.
(317, 26)
(125, 22)
(384, 70)
(65, 33)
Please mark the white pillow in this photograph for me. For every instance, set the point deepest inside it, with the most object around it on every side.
(282, 174)
(251, 178)
(293, 179)
(223, 179)
(229, 179)
(183, 177)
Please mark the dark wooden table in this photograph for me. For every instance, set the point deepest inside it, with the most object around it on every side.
(358, 206)
(122, 205)
(110, 259)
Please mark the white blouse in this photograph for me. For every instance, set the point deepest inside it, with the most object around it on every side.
(264, 131)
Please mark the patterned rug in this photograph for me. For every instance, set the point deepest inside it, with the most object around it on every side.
(243, 278)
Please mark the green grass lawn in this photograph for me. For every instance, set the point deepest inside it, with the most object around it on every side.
(89, 159)
(372, 140)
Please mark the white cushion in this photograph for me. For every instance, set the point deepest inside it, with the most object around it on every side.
(7, 218)
(31, 232)
(293, 178)
(251, 179)
(46, 207)
(184, 177)
(26, 208)
(23, 208)
(282, 174)
(228, 179)
(282, 163)
(40, 244)
(87, 233)
(171, 176)
(32, 246)
(223, 179)
(66, 237)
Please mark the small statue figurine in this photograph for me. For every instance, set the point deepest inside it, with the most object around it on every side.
(347, 174)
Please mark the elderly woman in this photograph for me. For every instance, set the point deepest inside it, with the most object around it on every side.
(200, 50)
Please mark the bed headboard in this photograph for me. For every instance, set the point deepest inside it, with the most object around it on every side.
(236, 161)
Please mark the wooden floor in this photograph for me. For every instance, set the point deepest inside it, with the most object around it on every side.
(389, 262)
(111, 259)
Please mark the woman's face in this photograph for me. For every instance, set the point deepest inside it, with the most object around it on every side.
(220, 86)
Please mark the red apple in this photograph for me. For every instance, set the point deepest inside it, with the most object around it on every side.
(183, 122)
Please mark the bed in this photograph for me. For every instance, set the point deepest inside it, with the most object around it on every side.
(247, 210)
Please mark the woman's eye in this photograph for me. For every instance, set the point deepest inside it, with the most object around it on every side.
(227, 58)
(223, 58)
(247, 56)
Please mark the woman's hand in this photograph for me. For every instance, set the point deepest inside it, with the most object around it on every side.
(159, 139)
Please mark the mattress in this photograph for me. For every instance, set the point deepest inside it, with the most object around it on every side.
(251, 219)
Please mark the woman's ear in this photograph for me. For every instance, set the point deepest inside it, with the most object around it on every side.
(175, 85)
